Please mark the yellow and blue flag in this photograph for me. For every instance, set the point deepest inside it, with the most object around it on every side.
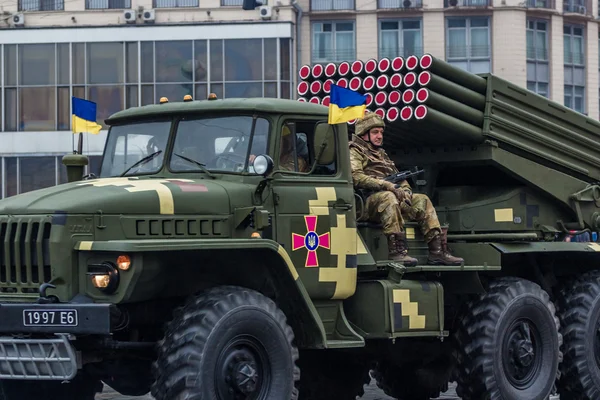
(84, 116)
(345, 105)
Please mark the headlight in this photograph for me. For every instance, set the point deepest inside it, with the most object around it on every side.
(105, 276)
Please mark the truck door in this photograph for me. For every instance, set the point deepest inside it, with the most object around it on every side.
(315, 220)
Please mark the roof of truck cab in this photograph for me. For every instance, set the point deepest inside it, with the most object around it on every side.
(234, 104)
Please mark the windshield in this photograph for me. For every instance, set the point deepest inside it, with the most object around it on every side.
(128, 144)
(220, 143)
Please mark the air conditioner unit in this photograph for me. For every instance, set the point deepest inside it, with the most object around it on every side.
(18, 19)
(148, 16)
(265, 12)
(129, 16)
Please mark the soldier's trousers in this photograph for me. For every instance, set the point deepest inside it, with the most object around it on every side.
(385, 208)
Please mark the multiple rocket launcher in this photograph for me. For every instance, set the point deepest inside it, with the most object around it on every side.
(427, 102)
(406, 91)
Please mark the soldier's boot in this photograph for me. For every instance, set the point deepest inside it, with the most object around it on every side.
(439, 254)
(398, 249)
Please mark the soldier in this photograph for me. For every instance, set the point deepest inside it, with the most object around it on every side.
(370, 164)
(286, 153)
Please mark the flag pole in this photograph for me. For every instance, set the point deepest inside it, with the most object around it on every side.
(80, 144)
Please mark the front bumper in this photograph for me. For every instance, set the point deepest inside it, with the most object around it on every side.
(50, 357)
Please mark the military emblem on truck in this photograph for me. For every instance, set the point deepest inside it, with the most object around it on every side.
(311, 241)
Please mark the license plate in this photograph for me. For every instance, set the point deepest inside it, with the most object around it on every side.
(50, 317)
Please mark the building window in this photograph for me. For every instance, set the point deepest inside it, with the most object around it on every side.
(400, 38)
(331, 5)
(107, 4)
(41, 5)
(538, 71)
(39, 79)
(469, 43)
(333, 41)
(574, 67)
(175, 3)
(32, 172)
(575, 6)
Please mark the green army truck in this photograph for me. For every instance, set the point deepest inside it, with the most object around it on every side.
(195, 267)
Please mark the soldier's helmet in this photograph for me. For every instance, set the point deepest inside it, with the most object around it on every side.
(369, 121)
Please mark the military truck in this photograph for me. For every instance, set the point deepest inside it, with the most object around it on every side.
(196, 266)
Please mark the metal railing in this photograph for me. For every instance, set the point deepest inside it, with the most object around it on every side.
(467, 3)
(41, 5)
(549, 4)
(232, 2)
(458, 52)
(537, 53)
(333, 55)
(574, 58)
(331, 5)
(107, 4)
(391, 52)
(574, 8)
(174, 3)
(400, 4)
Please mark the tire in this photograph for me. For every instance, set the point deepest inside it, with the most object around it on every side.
(579, 313)
(492, 328)
(82, 387)
(198, 352)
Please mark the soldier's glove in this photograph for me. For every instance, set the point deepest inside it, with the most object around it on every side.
(389, 186)
(403, 197)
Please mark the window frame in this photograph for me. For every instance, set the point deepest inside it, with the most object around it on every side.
(333, 33)
(469, 59)
(536, 62)
(400, 35)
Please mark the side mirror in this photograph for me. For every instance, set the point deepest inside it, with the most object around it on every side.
(324, 143)
(263, 164)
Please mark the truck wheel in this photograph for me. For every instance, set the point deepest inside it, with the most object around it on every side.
(82, 387)
(227, 343)
(579, 312)
(508, 343)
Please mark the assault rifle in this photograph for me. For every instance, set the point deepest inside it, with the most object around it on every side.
(394, 178)
(402, 175)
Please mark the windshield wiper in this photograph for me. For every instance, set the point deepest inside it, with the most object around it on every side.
(198, 163)
(142, 161)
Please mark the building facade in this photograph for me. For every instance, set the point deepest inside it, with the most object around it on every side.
(549, 46)
(124, 53)
(118, 63)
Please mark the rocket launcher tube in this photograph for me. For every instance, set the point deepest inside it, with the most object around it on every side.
(452, 128)
(453, 74)
(451, 107)
(452, 90)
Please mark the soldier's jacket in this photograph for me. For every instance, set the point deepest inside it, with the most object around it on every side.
(286, 162)
(370, 165)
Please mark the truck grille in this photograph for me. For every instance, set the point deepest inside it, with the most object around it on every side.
(24, 253)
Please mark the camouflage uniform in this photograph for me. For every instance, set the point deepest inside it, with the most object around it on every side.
(388, 205)
(286, 162)
(287, 154)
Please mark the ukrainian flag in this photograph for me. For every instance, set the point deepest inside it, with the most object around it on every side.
(84, 116)
(345, 105)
